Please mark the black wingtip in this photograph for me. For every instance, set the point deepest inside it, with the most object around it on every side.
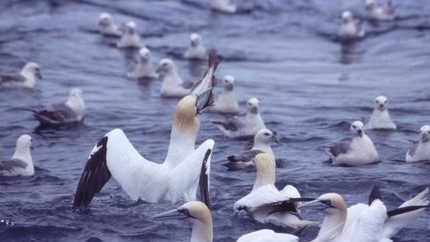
(204, 181)
(213, 58)
(374, 194)
(403, 210)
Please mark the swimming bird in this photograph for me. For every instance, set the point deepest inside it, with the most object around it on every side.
(196, 49)
(349, 27)
(130, 38)
(173, 85)
(28, 76)
(107, 26)
(21, 163)
(225, 6)
(226, 102)
(360, 151)
(70, 112)
(262, 142)
(378, 13)
(202, 225)
(420, 151)
(183, 170)
(380, 118)
(143, 69)
(266, 203)
(249, 126)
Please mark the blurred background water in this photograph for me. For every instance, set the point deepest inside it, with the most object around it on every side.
(283, 52)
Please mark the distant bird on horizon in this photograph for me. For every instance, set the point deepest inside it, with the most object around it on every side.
(224, 6)
(377, 13)
(380, 118)
(28, 76)
(196, 50)
(130, 37)
(226, 101)
(350, 28)
(143, 68)
(21, 163)
(172, 85)
(107, 26)
(420, 150)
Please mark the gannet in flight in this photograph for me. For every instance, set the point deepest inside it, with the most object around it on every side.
(380, 118)
(420, 151)
(28, 76)
(21, 163)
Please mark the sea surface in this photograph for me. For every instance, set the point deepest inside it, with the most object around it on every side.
(284, 52)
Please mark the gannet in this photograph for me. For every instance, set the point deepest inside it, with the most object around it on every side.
(196, 49)
(378, 13)
(107, 26)
(130, 38)
(246, 127)
(360, 151)
(143, 69)
(70, 112)
(173, 85)
(225, 6)
(262, 142)
(202, 225)
(380, 118)
(349, 27)
(420, 151)
(226, 101)
(28, 76)
(177, 177)
(266, 203)
(21, 163)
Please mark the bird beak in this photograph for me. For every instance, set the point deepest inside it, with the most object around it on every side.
(360, 132)
(316, 204)
(171, 214)
(39, 75)
(159, 69)
(275, 139)
(204, 101)
(31, 147)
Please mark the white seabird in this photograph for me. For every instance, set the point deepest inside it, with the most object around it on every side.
(225, 6)
(380, 118)
(202, 225)
(28, 76)
(266, 203)
(249, 126)
(107, 26)
(70, 112)
(130, 37)
(420, 151)
(183, 170)
(226, 102)
(262, 142)
(360, 151)
(21, 163)
(378, 13)
(143, 69)
(196, 49)
(172, 85)
(349, 27)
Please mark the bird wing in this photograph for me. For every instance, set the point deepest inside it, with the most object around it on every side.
(267, 235)
(264, 195)
(338, 148)
(208, 80)
(233, 124)
(56, 114)
(8, 78)
(245, 156)
(7, 165)
(414, 148)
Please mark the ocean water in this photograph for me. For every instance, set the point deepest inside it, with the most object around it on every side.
(310, 86)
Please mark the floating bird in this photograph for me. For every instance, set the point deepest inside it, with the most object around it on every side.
(380, 118)
(130, 38)
(107, 26)
(242, 128)
(196, 49)
(202, 225)
(349, 27)
(266, 203)
(70, 112)
(262, 142)
(173, 85)
(420, 151)
(225, 6)
(377, 13)
(226, 102)
(21, 163)
(360, 151)
(28, 76)
(183, 170)
(143, 69)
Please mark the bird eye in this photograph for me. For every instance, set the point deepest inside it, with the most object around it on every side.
(354, 127)
(267, 134)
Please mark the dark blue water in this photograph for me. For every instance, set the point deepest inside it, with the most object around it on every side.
(283, 52)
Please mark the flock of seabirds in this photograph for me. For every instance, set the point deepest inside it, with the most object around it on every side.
(185, 172)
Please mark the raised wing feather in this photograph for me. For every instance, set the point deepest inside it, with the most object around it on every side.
(263, 195)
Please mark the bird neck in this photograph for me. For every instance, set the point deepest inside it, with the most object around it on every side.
(265, 174)
(333, 224)
(30, 78)
(202, 231)
(173, 76)
(77, 105)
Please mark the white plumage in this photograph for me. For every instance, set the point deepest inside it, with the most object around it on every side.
(380, 118)
(420, 151)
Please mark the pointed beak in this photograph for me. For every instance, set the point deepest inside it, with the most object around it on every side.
(315, 204)
(39, 75)
(360, 132)
(171, 214)
(159, 69)
(31, 147)
(275, 139)
(204, 101)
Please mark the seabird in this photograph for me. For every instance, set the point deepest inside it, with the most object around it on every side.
(349, 27)
(225, 6)
(21, 163)
(269, 205)
(378, 13)
(226, 102)
(183, 170)
(262, 142)
(107, 26)
(360, 151)
(130, 38)
(380, 118)
(420, 151)
(70, 112)
(196, 49)
(202, 225)
(26, 78)
(143, 68)
(247, 127)
(173, 85)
